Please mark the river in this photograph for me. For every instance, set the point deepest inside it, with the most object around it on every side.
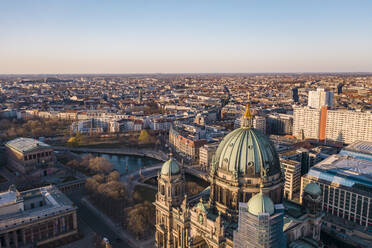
(127, 163)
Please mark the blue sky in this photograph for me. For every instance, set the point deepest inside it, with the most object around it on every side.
(54, 36)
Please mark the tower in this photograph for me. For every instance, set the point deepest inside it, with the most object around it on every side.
(312, 200)
(171, 191)
(260, 223)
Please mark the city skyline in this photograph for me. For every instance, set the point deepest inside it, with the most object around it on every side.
(184, 37)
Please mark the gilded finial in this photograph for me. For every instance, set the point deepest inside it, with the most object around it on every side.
(247, 113)
(261, 186)
(247, 117)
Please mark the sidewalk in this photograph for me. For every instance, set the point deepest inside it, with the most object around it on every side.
(119, 231)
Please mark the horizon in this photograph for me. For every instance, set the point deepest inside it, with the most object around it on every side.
(184, 37)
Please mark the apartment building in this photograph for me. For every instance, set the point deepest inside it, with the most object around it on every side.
(206, 153)
(345, 126)
(320, 98)
(306, 122)
(292, 176)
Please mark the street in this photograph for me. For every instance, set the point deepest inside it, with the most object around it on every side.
(96, 223)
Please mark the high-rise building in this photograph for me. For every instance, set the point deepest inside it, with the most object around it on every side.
(306, 122)
(292, 175)
(320, 98)
(280, 124)
(348, 126)
(345, 126)
(295, 97)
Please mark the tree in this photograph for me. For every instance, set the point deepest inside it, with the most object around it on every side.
(137, 197)
(113, 176)
(72, 142)
(100, 178)
(5, 124)
(85, 160)
(100, 164)
(137, 222)
(144, 137)
(141, 219)
(92, 185)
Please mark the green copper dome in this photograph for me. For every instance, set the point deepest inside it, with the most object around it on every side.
(170, 168)
(260, 203)
(313, 189)
(246, 151)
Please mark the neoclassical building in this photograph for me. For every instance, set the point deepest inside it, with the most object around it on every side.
(245, 165)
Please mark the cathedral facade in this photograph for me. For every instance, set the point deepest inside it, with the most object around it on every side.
(245, 165)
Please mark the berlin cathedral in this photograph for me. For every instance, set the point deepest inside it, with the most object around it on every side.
(242, 207)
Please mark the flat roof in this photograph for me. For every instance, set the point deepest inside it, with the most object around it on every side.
(56, 203)
(26, 144)
(343, 170)
(361, 147)
(7, 197)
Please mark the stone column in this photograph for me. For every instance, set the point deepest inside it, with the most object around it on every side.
(74, 219)
(15, 238)
(7, 243)
(23, 233)
(32, 234)
(55, 227)
(164, 244)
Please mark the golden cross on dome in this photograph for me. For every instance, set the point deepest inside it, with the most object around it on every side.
(247, 117)
(247, 113)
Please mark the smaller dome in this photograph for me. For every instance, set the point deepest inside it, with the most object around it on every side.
(313, 189)
(170, 168)
(260, 203)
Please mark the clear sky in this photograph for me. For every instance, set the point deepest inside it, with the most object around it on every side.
(105, 36)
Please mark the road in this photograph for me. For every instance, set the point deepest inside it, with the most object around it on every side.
(95, 222)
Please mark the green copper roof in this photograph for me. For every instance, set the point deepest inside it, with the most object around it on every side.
(26, 144)
(170, 167)
(260, 203)
(313, 189)
(245, 151)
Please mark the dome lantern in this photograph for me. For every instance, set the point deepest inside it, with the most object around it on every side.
(170, 167)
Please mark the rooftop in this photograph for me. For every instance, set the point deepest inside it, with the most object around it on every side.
(7, 197)
(25, 144)
(344, 170)
(55, 203)
(359, 147)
